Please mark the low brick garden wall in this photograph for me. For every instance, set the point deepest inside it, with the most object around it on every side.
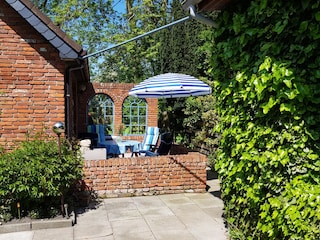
(138, 176)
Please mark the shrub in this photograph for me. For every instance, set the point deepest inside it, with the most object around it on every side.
(36, 176)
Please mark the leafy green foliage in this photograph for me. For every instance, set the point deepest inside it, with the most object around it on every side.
(36, 176)
(199, 125)
(264, 59)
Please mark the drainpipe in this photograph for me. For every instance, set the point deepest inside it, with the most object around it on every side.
(201, 18)
(67, 98)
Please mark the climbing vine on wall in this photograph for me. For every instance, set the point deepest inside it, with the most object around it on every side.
(266, 65)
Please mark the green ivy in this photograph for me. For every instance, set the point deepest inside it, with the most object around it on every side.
(265, 62)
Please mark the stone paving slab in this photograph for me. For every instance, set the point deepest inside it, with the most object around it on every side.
(53, 233)
(23, 235)
(174, 235)
(163, 224)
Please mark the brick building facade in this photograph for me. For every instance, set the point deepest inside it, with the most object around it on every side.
(35, 69)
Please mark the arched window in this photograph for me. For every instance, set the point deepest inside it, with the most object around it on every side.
(134, 115)
(101, 111)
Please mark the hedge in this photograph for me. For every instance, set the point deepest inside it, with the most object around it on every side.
(265, 62)
(35, 176)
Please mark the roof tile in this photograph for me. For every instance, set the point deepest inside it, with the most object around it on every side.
(25, 13)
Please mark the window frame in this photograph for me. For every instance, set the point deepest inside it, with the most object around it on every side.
(106, 104)
(134, 124)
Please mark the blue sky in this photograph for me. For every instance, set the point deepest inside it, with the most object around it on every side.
(119, 5)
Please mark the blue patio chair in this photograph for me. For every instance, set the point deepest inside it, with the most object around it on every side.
(150, 140)
(104, 140)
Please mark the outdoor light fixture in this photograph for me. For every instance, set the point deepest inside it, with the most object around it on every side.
(58, 128)
(82, 87)
(201, 18)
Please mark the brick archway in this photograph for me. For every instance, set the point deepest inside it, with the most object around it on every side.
(118, 93)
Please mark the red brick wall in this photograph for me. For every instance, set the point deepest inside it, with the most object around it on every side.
(31, 80)
(119, 177)
(117, 92)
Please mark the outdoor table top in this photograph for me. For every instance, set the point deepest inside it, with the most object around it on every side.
(125, 144)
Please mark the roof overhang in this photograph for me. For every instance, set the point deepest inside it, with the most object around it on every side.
(68, 49)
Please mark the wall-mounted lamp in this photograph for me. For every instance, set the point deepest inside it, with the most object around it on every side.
(82, 87)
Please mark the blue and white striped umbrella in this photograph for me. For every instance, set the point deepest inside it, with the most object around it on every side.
(170, 85)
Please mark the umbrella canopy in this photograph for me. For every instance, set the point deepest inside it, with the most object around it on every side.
(170, 85)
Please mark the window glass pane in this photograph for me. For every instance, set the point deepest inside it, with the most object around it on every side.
(126, 110)
(142, 129)
(126, 120)
(143, 111)
(142, 121)
(134, 120)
